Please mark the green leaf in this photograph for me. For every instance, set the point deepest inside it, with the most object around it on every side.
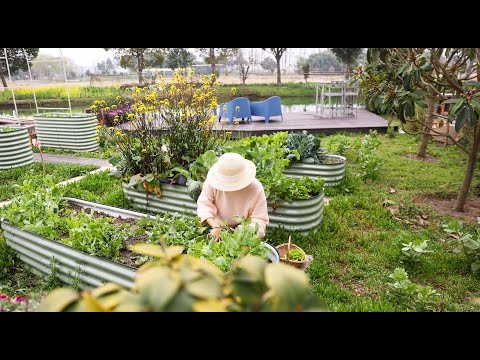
(288, 286)
(157, 286)
(148, 249)
(106, 289)
(450, 101)
(212, 305)
(181, 302)
(205, 288)
(409, 109)
(462, 116)
(456, 107)
(252, 267)
(58, 300)
(476, 266)
(475, 105)
(473, 83)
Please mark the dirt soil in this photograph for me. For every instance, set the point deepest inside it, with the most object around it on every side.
(126, 256)
(428, 158)
(444, 206)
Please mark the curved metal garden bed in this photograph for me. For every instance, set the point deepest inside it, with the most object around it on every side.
(75, 132)
(331, 173)
(299, 215)
(73, 265)
(15, 148)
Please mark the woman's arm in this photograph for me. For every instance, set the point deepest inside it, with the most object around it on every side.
(207, 210)
(259, 214)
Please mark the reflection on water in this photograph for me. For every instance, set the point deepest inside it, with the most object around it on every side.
(298, 108)
(289, 105)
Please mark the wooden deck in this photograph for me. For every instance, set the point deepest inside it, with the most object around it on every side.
(363, 122)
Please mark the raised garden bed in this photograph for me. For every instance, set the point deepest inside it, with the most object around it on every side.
(15, 148)
(332, 170)
(299, 215)
(75, 132)
(75, 266)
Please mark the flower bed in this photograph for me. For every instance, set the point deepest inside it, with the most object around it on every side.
(299, 215)
(75, 132)
(73, 265)
(15, 148)
(332, 170)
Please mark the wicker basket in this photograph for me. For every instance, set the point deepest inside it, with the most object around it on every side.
(283, 249)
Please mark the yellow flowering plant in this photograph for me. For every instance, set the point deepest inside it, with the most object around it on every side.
(172, 124)
(186, 112)
(114, 110)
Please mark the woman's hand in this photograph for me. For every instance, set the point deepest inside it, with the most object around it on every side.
(215, 233)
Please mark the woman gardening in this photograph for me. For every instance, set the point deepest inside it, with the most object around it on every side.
(232, 189)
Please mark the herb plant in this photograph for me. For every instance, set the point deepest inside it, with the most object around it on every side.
(295, 255)
(468, 242)
(409, 295)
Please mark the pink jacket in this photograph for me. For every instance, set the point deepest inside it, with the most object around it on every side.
(222, 205)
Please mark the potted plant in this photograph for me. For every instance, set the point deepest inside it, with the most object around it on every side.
(77, 132)
(307, 159)
(292, 254)
(15, 148)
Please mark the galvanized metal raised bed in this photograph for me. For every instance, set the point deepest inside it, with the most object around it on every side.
(331, 173)
(15, 148)
(75, 132)
(299, 215)
(73, 265)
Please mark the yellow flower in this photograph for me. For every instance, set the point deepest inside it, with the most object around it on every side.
(118, 133)
(144, 151)
(99, 126)
(228, 133)
(236, 123)
(96, 139)
(130, 116)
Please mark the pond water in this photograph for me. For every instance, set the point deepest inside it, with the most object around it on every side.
(289, 105)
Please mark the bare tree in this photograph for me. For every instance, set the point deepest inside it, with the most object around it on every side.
(277, 53)
(245, 62)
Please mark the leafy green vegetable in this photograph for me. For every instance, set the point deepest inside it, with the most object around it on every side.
(296, 255)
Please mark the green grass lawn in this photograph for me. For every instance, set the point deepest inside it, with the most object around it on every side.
(34, 172)
(56, 96)
(101, 153)
(357, 246)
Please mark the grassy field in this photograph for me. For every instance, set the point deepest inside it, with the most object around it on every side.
(358, 244)
(34, 173)
(56, 96)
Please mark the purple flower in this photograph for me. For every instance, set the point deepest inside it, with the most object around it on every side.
(19, 298)
(4, 297)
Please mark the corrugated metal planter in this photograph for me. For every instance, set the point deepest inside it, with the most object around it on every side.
(300, 215)
(331, 173)
(64, 131)
(71, 264)
(174, 198)
(15, 148)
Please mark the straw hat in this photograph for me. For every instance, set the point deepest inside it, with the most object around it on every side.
(232, 172)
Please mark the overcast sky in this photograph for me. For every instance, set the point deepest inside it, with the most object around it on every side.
(81, 56)
(90, 57)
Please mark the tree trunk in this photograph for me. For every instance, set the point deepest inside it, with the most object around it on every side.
(349, 69)
(422, 149)
(140, 65)
(279, 76)
(467, 180)
(212, 60)
(2, 76)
